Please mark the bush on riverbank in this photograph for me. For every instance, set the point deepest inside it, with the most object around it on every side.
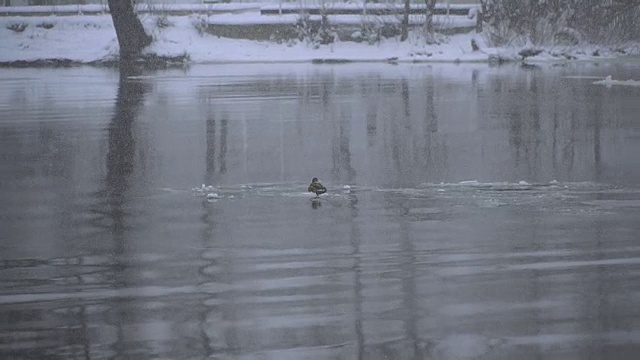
(561, 22)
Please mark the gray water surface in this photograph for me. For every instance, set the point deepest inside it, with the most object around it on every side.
(473, 212)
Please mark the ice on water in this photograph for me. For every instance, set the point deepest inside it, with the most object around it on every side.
(609, 82)
(279, 190)
(472, 193)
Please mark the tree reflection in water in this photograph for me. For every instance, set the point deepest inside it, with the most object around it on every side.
(121, 166)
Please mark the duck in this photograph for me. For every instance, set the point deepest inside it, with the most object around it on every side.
(316, 187)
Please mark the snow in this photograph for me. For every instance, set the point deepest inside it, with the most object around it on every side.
(78, 38)
(91, 38)
(204, 48)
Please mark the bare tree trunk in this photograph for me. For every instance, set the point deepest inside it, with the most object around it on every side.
(131, 35)
(431, 6)
(405, 21)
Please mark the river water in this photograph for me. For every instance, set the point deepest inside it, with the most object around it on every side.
(473, 212)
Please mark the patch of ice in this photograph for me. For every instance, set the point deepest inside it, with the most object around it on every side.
(582, 77)
(469, 182)
(609, 82)
(211, 196)
(464, 346)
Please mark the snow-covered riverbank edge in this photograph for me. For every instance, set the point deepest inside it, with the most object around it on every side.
(83, 39)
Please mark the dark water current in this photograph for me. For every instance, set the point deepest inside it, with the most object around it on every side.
(473, 212)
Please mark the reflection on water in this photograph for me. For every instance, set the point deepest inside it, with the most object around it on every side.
(106, 252)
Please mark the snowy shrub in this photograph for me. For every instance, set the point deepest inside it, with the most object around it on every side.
(425, 33)
(566, 36)
(368, 32)
(609, 21)
(284, 35)
(561, 22)
(326, 33)
(200, 23)
(314, 32)
(371, 37)
(515, 21)
(500, 34)
(303, 27)
(419, 38)
(434, 38)
(154, 13)
(17, 26)
(373, 30)
(525, 53)
(162, 21)
(45, 25)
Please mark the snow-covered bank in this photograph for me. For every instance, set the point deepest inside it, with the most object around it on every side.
(89, 39)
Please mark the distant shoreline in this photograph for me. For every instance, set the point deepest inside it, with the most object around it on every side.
(64, 41)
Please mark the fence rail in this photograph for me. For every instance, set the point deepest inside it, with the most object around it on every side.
(272, 8)
(370, 9)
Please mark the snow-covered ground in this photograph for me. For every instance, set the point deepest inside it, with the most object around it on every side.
(91, 38)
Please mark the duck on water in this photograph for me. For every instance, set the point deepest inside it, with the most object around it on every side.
(316, 187)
